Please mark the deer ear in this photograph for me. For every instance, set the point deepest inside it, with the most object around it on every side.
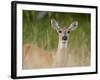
(54, 24)
(73, 26)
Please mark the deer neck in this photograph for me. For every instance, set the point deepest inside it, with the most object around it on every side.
(61, 53)
(62, 44)
(62, 47)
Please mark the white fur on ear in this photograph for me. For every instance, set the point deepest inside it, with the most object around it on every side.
(54, 24)
(73, 26)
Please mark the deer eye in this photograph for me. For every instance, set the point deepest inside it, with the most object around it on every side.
(68, 32)
(60, 31)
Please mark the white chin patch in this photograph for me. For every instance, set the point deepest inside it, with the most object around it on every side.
(63, 44)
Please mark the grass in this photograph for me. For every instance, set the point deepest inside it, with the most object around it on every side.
(38, 30)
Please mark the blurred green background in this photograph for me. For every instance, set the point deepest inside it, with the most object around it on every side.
(37, 29)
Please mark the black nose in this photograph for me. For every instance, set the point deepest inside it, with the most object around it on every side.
(64, 37)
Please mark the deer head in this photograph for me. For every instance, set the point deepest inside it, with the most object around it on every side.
(63, 32)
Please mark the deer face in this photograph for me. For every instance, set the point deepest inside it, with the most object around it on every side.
(64, 32)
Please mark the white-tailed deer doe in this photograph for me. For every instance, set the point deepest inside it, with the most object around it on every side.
(63, 33)
(34, 57)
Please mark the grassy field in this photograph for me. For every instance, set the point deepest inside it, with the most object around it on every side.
(37, 30)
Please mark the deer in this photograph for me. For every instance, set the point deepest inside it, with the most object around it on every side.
(63, 33)
(43, 59)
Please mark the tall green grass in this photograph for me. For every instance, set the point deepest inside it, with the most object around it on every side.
(40, 32)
